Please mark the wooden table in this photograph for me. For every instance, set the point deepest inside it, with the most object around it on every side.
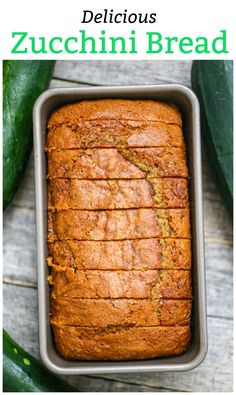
(20, 287)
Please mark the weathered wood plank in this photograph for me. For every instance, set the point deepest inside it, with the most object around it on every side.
(19, 251)
(20, 317)
(215, 374)
(219, 280)
(122, 72)
(107, 384)
(217, 221)
(56, 83)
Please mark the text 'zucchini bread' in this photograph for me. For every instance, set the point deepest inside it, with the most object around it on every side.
(119, 236)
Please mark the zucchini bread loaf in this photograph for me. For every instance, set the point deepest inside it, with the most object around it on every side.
(119, 236)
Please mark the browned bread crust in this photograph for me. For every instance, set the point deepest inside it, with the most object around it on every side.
(109, 163)
(123, 343)
(122, 255)
(121, 312)
(117, 194)
(68, 282)
(119, 109)
(113, 134)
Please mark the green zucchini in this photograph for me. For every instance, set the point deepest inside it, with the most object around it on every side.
(212, 81)
(23, 82)
(23, 373)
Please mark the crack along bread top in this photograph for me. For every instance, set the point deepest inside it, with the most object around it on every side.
(108, 163)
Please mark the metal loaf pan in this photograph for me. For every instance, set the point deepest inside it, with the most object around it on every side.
(187, 102)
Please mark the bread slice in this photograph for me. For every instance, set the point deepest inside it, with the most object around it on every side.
(112, 134)
(109, 163)
(117, 194)
(154, 284)
(122, 343)
(118, 224)
(122, 255)
(108, 312)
